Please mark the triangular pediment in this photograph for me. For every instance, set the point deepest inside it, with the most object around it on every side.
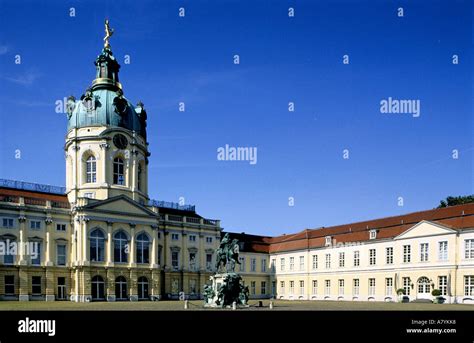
(425, 228)
(120, 205)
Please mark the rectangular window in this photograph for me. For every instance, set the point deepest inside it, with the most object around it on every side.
(60, 227)
(292, 263)
(61, 288)
(315, 262)
(282, 287)
(372, 257)
(242, 264)
(355, 286)
(443, 284)
(253, 264)
(264, 265)
(328, 261)
(469, 285)
(341, 259)
(174, 236)
(7, 222)
(388, 286)
(356, 258)
(263, 287)
(371, 286)
(301, 287)
(282, 264)
(36, 260)
(35, 225)
(315, 286)
(424, 252)
(61, 254)
(469, 248)
(273, 265)
(389, 255)
(192, 238)
(373, 234)
(253, 287)
(406, 285)
(327, 288)
(36, 285)
(208, 240)
(9, 284)
(192, 261)
(301, 262)
(443, 251)
(175, 260)
(341, 287)
(292, 287)
(209, 262)
(406, 253)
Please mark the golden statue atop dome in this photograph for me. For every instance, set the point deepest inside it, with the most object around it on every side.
(108, 33)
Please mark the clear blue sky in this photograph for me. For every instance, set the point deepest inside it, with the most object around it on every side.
(283, 59)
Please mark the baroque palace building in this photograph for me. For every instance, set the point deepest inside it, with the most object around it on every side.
(101, 238)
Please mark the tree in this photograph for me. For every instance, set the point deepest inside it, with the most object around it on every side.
(453, 201)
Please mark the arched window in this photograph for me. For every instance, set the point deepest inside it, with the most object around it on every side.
(143, 248)
(424, 286)
(120, 247)
(120, 288)
(98, 288)
(91, 169)
(139, 177)
(119, 178)
(142, 288)
(97, 246)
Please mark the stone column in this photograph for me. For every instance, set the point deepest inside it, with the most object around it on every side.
(201, 253)
(50, 285)
(24, 284)
(154, 247)
(132, 247)
(110, 285)
(85, 242)
(49, 244)
(166, 253)
(109, 244)
(23, 260)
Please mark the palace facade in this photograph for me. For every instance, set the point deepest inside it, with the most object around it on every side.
(101, 238)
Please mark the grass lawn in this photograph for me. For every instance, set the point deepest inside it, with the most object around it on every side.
(198, 305)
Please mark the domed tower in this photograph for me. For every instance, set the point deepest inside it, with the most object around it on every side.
(106, 147)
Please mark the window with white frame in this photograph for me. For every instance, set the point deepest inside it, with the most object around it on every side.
(406, 285)
(282, 287)
(301, 287)
(389, 255)
(355, 286)
(263, 287)
(327, 287)
(273, 265)
(341, 286)
(373, 234)
(61, 254)
(292, 263)
(36, 258)
(315, 262)
(371, 286)
(356, 258)
(264, 265)
(282, 264)
(292, 287)
(301, 262)
(372, 257)
(253, 264)
(406, 253)
(253, 287)
(91, 169)
(315, 287)
(443, 250)
(7, 223)
(328, 261)
(424, 252)
(175, 260)
(443, 284)
(35, 224)
(119, 176)
(469, 285)
(242, 264)
(388, 286)
(469, 248)
(342, 260)
(328, 240)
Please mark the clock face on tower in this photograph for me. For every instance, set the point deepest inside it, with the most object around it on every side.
(120, 141)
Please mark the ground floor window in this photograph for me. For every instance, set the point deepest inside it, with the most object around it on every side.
(98, 288)
(282, 287)
(371, 286)
(388, 286)
(407, 285)
(142, 288)
(253, 287)
(61, 288)
(120, 288)
(443, 284)
(315, 286)
(327, 289)
(424, 286)
(9, 284)
(341, 287)
(292, 287)
(36, 285)
(192, 286)
(301, 287)
(469, 285)
(355, 287)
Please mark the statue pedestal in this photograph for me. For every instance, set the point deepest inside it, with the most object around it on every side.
(225, 289)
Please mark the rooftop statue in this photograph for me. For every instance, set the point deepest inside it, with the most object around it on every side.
(108, 33)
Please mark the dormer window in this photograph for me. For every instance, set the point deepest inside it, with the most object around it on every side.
(328, 240)
(373, 234)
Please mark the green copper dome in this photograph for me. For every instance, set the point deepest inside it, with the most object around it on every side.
(103, 104)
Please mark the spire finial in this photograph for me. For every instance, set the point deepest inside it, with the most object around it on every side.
(108, 33)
